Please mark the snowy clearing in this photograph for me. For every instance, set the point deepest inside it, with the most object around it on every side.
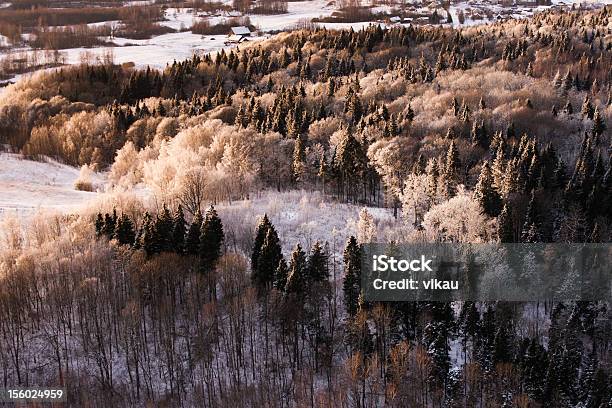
(27, 185)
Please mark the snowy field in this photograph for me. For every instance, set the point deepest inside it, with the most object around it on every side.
(27, 185)
(155, 53)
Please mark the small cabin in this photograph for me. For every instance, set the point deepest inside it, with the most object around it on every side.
(238, 35)
(241, 31)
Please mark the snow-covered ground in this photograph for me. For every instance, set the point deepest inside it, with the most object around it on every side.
(302, 217)
(27, 185)
(179, 19)
(298, 11)
(155, 52)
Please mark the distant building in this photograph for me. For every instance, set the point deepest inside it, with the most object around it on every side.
(238, 35)
(241, 31)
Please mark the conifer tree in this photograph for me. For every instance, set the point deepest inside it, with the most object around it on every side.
(260, 235)
(352, 275)
(587, 110)
(211, 240)
(510, 131)
(469, 319)
(534, 367)
(299, 157)
(502, 345)
(354, 108)
(178, 231)
(481, 104)
(505, 231)
(449, 178)
(99, 224)
(110, 222)
(498, 169)
(352, 160)
(486, 339)
(124, 232)
(531, 228)
(409, 114)
(192, 241)
(485, 192)
(435, 339)
(599, 126)
(149, 237)
(268, 260)
(163, 229)
(280, 275)
(317, 267)
(419, 166)
(296, 277)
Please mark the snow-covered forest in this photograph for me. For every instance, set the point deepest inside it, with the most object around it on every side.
(217, 260)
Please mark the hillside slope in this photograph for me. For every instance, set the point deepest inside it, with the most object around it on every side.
(26, 185)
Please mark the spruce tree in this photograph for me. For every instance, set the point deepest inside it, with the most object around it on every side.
(211, 240)
(179, 230)
(534, 367)
(409, 114)
(296, 277)
(148, 236)
(502, 345)
(260, 235)
(352, 275)
(99, 224)
(110, 222)
(317, 267)
(298, 165)
(280, 275)
(485, 193)
(599, 126)
(531, 228)
(192, 241)
(469, 319)
(163, 229)
(351, 161)
(486, 340)
(269, 259)
(452, 167)
(124, 232)
(505, 230)
(587, 110)
(435, 340)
